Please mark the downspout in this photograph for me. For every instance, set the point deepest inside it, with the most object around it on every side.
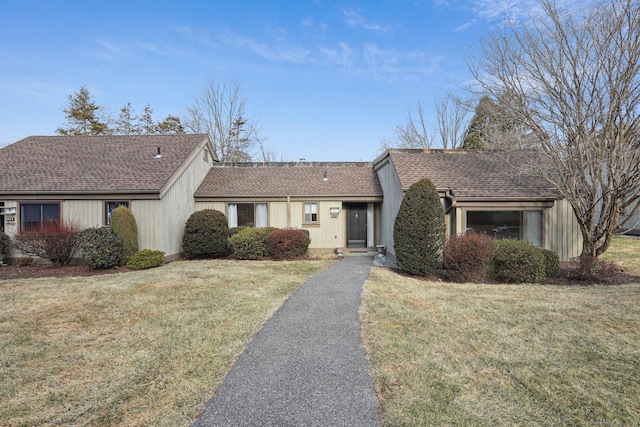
(288, 211)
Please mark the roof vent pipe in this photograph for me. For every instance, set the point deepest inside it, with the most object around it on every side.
(158, 155)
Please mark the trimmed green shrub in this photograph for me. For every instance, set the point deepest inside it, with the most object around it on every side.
(551, 262)
(236, 230)
(287, 244)
(466, 257)
(101, 248)
(123, 223)
(206, 235)
(249, 243)
(419, 228)
(517, 261)
(5, 246)
(144, 259)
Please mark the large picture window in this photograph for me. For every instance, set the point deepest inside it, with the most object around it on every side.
(109, 207)
(36, 214)
(247, 214)
(520, 225)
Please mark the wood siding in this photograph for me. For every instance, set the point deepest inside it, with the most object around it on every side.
(561, 231)
(393, 195)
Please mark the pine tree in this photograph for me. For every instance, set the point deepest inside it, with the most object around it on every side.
(83, 116)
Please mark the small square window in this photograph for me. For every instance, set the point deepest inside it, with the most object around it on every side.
(310, 212)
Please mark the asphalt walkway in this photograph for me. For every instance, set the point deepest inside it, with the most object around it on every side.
(306, 366)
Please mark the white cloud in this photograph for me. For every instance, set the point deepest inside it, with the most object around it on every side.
(354, 18)
(307, 22)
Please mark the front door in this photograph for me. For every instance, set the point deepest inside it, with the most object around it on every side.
(357, 225)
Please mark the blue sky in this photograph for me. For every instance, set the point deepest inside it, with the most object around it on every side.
(326, 80)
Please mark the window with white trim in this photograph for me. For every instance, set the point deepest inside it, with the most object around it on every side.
(247, 214)
(311, 213)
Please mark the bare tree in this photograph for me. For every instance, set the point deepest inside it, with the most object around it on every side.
(451, 114)
(415, 133)
(220, 112)
(572, 78)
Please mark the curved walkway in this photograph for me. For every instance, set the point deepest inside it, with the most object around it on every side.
(306, 366)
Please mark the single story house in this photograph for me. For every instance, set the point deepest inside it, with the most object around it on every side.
(163, 179)
(338, 203)
(83, 178)
(481, 191)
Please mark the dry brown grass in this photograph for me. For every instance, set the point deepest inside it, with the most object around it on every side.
(141, 348)
(469, 354)
(625, 251)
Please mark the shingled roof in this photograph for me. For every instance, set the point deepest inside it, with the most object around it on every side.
(304, 179)
(90, 164)
(472, 174)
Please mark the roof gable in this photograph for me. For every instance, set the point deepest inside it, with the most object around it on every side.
(305, 179)
(89, 164)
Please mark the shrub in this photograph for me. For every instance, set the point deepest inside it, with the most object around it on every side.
(5, 246)
(287, 244)
(54, 240)
(144, 259)
(101, 248)
(249, 243)
(206, 235)
(418, 231)
(551, 262)
(124, 225)
(235, 230)
(595, 270)
(517, 261)
(466, 257)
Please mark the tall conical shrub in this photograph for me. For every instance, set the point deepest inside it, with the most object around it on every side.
(419, 229)
(123, 224)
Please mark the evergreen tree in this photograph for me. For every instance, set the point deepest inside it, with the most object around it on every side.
(171, 125)
(419, 228)
(83, 116)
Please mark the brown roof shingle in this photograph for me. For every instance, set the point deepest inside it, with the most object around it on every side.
(471, 174)
(291, 180)
(86, 164)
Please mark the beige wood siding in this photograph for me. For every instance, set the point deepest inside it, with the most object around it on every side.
(561, 231)
(278, 214)
(161, 222)
(219, 206)
(393, 195)
(86, 213)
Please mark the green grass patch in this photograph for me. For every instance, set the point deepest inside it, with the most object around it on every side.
(468, 354)
(141, 348)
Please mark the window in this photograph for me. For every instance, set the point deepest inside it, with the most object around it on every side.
(35, 214)
(310, 212)
(247, 214)
(109, 207)
(521, 225)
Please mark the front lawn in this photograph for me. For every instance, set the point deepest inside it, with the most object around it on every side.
(466, 354)
(139, 348)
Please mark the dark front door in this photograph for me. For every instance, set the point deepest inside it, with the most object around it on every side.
(357, 225)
